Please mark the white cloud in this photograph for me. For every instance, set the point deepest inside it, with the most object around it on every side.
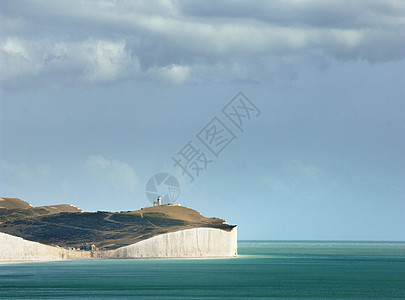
(17, 58)
(106, 61)
(97, 162)
(115, 173)
(173, 73)
(89, 60)
(107, 41)
(14, 46)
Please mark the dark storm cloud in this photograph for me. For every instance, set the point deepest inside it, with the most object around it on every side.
(327, 14)
(93, 41)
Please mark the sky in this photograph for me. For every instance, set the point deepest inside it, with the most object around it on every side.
(283, 117)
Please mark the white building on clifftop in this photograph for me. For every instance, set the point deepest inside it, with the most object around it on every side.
(158, 202)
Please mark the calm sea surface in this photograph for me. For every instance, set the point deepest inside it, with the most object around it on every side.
(263, 270)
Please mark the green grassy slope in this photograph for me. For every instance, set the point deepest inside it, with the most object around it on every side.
(106, 230)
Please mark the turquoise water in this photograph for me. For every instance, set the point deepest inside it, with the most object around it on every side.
(263, 270)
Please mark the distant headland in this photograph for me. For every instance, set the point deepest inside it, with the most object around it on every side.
(66, 232)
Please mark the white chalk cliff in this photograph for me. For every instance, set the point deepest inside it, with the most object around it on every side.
(188, 243)
(196, 242)
(14, 248)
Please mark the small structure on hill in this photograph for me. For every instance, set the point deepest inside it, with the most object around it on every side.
(158, 202)
(88, 247)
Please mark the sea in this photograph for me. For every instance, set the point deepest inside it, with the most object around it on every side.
(263, 270)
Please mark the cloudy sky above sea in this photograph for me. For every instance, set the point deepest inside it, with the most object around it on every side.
(98, 96)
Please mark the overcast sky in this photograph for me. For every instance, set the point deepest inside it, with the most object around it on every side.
(98, 96)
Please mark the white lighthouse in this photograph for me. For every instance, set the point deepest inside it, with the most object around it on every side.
(158, 202)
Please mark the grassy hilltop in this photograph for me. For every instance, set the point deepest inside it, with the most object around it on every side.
(68, 226)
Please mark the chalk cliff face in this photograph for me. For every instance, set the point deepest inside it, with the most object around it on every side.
(189, 243)
(13, 248)
(196, 242)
